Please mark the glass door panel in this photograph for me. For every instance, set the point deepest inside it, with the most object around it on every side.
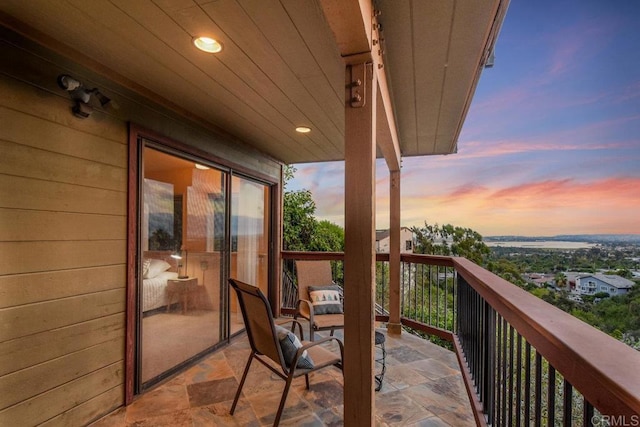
(250, 202)
(183, 256)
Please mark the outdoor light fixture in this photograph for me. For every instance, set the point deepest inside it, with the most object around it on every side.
(207, 44)
(303, 129)
(81, 96)
(201, 167)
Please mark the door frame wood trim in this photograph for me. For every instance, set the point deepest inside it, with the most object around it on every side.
(136, 134)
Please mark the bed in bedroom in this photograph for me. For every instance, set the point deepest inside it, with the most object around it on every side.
(157, 269)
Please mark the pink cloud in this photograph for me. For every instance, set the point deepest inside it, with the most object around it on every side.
(592, 136)
(537, 208)
(577, 42)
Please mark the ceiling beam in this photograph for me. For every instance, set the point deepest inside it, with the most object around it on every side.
(356, 32)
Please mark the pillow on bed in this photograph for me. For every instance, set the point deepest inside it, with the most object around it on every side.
(145, 267)
(156, 266)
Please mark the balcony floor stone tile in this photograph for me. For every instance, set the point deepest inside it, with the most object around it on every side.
(422, 387)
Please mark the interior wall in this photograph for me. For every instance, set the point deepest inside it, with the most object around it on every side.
(63, 235)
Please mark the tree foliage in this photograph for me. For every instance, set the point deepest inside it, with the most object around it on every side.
(618, 313)
(301, 230)
(300, 224)
(451, 241)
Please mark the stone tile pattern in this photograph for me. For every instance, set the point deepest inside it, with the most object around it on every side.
(422, 387)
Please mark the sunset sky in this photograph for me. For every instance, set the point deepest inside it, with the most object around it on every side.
(551, 144)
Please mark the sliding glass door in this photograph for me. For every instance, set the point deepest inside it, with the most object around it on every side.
(250, 221)
(199, 225)
(182, 242)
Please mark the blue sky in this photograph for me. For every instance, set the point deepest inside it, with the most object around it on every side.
(551, 144)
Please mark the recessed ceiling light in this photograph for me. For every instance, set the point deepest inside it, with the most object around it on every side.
(201, 167)
(303, 129)
(207, 44)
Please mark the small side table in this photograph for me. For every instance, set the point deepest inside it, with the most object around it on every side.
(184, 288)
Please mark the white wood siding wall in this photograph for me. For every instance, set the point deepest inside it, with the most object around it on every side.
(62, 260)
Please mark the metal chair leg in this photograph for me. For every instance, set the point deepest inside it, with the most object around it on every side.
(283, 400)
(244, 377)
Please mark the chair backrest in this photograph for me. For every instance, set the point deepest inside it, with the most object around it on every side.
(312, 273)
(258, 321)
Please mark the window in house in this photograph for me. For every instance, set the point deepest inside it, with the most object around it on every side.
(408, 245)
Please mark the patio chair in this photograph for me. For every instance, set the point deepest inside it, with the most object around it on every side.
(319, 298)
(278, 348)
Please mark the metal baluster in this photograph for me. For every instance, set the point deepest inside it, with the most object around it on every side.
(568, 404)
(538, 401)
(497, 372)
(455, 296)
(422, 297)
(402, 288)
(518, 380)
(489, 367)
(551, 396)
(587, 419)
(527, 384)
(510, 380)
(437, 296)
(504, 373)
(429, 296)
(446, 299)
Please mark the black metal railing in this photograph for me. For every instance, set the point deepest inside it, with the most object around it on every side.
(514, 383)
(524, 362)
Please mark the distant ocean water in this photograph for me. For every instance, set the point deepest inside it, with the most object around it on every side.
(542, 244)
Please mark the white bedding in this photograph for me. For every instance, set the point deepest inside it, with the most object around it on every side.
(154, 291)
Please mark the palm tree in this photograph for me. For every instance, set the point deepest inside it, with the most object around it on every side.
(560, 279)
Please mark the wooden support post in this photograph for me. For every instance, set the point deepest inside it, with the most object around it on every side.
(394, 326)
(359, 259)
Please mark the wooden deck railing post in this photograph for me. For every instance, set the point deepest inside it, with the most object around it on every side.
(360, 256)
(394, 326)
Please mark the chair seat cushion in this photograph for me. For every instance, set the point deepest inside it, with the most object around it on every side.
(289, 344)
(322, 356)
(326, 299)
(328, 321)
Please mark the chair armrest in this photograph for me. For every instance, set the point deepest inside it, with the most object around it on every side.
(293, 322)
(315, 343)
(309, 306)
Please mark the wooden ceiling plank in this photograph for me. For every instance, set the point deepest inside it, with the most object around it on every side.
(255, 79)
(110, 50)
(308, 18)
(224, 89)
(252, 36)
(430, 70)
(238, 117)
(465, 62)
(399, 69)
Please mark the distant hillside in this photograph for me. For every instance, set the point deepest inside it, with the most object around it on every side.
(588, 238)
